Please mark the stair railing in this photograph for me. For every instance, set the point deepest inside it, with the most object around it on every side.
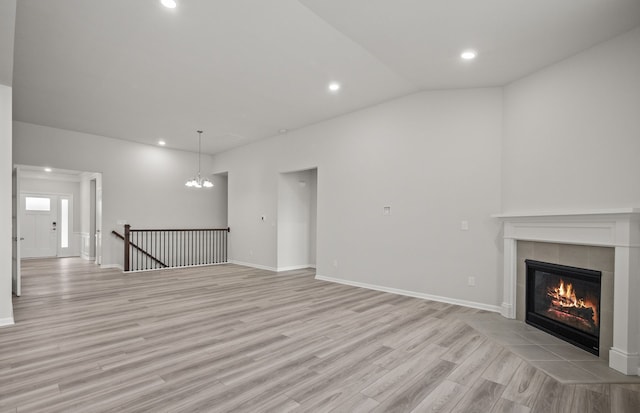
(147, 249)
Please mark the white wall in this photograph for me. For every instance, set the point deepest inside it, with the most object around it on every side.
(7, 35)
(141, 184)
(7, 31)
(572, 132)
(6, 245)
(434, 157)
(296, 220)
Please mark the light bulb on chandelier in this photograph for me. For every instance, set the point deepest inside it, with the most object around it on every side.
(198, 181)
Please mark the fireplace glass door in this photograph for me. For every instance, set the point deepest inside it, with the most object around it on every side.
(565, 302)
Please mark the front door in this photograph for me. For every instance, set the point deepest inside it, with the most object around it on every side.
(39, 226)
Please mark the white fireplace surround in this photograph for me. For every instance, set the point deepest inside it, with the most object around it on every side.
(617, 228)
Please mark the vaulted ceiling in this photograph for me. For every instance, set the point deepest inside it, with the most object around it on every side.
(243, 70)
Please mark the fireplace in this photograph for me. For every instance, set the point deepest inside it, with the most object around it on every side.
(617, 228)
(564, 301)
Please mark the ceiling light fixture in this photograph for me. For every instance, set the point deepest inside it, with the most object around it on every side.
(283, 131)
(161, 142)
(47, 169)
(334, 86)
(169, 4)
(198, 181)
(469, 54)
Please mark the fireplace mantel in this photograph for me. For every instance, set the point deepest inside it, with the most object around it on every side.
(618, 228)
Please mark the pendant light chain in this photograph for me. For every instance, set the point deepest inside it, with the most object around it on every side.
(199, 150)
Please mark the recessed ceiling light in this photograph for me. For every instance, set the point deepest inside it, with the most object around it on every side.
(283, 131)
(161, 142)
(169, 4)
(469, 54)
(334, 86)
(47, 169)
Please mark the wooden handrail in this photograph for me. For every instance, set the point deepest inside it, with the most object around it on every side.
(116, 233)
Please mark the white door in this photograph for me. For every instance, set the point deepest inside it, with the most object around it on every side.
(38, 226)
(15, 214)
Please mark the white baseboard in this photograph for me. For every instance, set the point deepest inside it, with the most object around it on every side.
(6, 321)
(258, 266)
(464, 303)
(116, 266)
(87, 257)
(626, 363)
(295, 267)
(508, 311)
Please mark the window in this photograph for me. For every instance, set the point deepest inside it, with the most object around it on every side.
(64, 223)
(37, 204)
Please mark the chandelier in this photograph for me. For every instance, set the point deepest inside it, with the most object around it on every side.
(198, 181)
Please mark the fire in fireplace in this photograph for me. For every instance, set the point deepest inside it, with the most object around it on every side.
(564, 301)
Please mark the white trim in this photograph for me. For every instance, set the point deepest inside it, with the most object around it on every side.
(85, 238)
(464, 303)
(610, 211)
(623, 362)
(50, 176)
(258, 266)
(57, 174)
(6, 321)
(295, 267)
(618, 228)
(509, 283)
(109, 266)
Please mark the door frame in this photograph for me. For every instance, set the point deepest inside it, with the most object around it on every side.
(16, 281)
(16, 250)
(98, 213)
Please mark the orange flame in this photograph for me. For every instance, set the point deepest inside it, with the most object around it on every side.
(565, 296)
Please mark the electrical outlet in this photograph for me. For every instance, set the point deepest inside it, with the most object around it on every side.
(472, 281)
(335, 263)
(464, 225)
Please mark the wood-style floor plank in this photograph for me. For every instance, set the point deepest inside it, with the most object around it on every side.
(235, 339)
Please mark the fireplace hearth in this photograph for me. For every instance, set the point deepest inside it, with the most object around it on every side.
(565, 302)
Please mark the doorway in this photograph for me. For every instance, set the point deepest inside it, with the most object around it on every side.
(221, 207)
(55, 212)
(297, 212)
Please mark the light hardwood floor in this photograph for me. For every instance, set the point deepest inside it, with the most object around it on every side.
(231, 338)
